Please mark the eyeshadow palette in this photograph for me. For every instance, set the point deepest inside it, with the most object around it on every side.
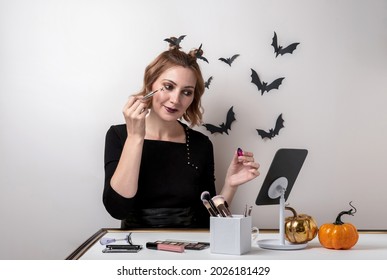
(188, 245)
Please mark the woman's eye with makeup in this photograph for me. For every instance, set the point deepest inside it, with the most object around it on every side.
(187, 92)
(168, 87)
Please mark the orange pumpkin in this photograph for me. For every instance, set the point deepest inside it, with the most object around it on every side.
(339, 235)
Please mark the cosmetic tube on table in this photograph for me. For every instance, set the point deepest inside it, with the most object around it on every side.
(165, 247)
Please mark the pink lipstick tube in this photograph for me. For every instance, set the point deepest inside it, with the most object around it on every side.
(165, 247)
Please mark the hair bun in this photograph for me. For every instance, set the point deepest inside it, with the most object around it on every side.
(174, 43)
(198, 53)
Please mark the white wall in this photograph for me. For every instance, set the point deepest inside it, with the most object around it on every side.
(67, 67)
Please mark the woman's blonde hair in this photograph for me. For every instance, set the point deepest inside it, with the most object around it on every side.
(171, 58)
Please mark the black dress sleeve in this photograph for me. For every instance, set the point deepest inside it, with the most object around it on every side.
(202, 151)
(116, 205)
(210, 171)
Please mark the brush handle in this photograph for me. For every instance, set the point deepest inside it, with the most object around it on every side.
(209, 208)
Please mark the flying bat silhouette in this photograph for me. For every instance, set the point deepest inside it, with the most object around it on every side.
(263, 86)
(230, 60)
(208, 82)
(173, 41)
(223, 127)
(279, 50)
(199, 54)
(272, 131)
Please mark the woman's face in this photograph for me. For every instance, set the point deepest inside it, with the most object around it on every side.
(178, 86)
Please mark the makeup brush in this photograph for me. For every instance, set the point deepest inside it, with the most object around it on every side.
(222, 206)
(250, 209)
(209, 204)
(150, 94)
(210, 210)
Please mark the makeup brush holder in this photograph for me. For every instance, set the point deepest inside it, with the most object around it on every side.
(230, 235)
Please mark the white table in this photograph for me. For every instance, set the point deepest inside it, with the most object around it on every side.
(371, 245)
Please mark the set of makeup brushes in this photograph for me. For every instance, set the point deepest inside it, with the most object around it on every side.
(216, 206)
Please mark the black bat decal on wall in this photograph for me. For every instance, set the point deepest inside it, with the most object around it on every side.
(272, 131)
(279, 50)
(208, 82)
(173, 41)
(230, 60)
(263, 86)
(223, 127)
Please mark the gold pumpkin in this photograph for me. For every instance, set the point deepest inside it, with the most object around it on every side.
(300, 228)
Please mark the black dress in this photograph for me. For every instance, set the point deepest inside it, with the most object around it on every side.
(171, 180)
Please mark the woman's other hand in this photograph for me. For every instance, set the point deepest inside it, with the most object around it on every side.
(242, 169)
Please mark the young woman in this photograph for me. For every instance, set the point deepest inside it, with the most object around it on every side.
(156, 166)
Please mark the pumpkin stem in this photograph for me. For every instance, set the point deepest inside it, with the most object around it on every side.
(291, 209)
(349, 212)
(352, 209)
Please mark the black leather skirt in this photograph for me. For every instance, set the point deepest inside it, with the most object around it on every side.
(160, 218)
